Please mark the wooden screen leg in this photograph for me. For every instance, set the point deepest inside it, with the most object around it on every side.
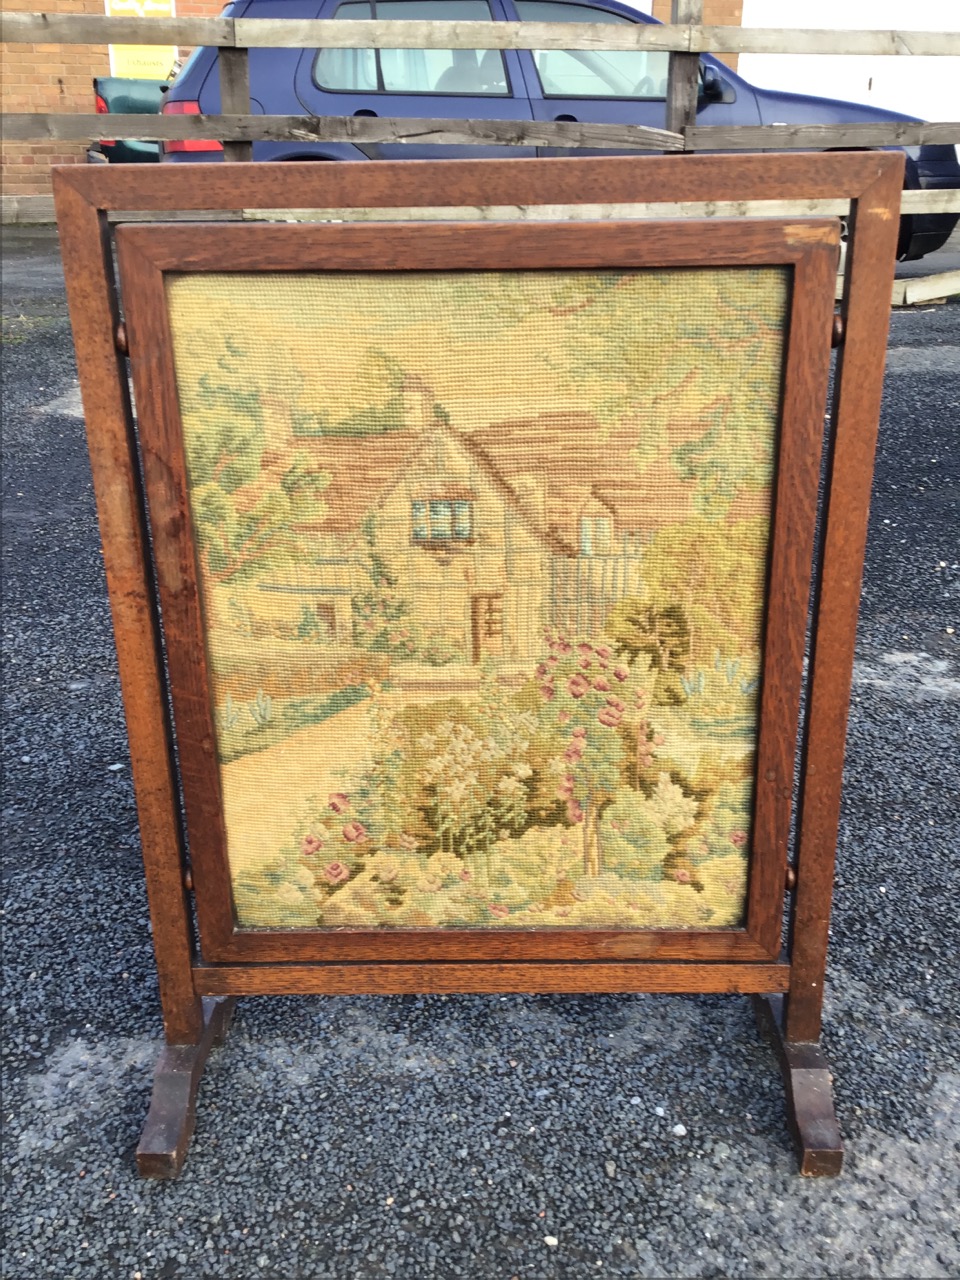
(808, 1085)
(173, 1104)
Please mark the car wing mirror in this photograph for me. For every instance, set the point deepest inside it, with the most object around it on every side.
(713, 87)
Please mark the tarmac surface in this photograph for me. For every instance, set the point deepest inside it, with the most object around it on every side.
(485, 1137)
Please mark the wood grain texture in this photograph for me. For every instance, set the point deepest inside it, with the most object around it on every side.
(63, 28)
(518, 182)
(809, 1094)
(233, 66)
(797, 476)
(947, 201)
(849, 471)
(909, 292)
(683, 76)
(244, 128)
(171, 1119)
(111, 438)
(401, 979)
(784, 137)
(150, 345)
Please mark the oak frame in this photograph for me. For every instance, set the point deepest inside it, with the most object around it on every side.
(871, 181)
(808, 248)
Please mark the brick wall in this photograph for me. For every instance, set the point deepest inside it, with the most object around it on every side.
(57, 78)
(716, 13)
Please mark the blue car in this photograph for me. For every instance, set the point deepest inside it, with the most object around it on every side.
(588, 85)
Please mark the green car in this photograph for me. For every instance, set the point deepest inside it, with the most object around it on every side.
(120, 95)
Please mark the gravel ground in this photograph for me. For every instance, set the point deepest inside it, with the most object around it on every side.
(482, 1137)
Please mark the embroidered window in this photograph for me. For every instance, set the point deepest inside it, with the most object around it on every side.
(596, 535)
(442, 520)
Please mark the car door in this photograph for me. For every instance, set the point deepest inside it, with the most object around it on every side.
(458, 84)
(590, 85)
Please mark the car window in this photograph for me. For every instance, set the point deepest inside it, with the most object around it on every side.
(437, 71)
(589, 73)
(347, 68)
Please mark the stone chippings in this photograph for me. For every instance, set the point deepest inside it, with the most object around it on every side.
(470, 1136)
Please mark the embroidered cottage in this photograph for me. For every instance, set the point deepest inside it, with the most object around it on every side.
(486, 537)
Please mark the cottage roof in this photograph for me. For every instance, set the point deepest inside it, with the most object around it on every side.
(552, 468)
(579, 463)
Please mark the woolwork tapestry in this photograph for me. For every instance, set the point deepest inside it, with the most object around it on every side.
(482, 560)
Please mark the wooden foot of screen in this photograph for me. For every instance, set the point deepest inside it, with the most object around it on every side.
(173, 1105)
(808, 1085)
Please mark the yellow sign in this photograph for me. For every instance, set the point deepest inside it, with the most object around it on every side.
(141, 61)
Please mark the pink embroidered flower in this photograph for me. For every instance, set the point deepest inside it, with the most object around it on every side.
(548, 691)
(563, 717)
(408, 842)
(579, 731)
(658, 739)
(498, 909)
(355, 833)
(565, 789)
(561, 645)
(574, 810)
(336, 873)
(610, 717)
(338, 802)
(586, 663)
(616, 704)
(682, 876)
(621, 672)
(738, 837)
(584, 649)
(466, 876)
(577, 686)
(310, 845)
(604, 653)
(552, 660)
(601, 684)
(574, 751)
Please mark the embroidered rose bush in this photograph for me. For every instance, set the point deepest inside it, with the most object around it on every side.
(570, 800)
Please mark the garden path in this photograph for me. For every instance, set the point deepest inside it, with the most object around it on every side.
(264, 792)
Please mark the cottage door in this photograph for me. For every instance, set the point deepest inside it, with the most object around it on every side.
(486, 626)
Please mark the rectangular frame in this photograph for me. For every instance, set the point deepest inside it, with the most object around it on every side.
(871, 181)
(809, 248)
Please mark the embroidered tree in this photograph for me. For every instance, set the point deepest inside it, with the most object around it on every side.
(381, 615)
(662, 634)
(595, 704)
(245, 516)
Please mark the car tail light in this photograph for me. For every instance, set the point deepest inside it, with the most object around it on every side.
(185, 108)
(102, 109)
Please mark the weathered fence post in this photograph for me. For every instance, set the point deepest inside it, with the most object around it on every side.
(235, 96)
(684, 74)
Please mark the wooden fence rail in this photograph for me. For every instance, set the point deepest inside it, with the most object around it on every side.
(326, 33)
(684, 39)
(242, 127)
